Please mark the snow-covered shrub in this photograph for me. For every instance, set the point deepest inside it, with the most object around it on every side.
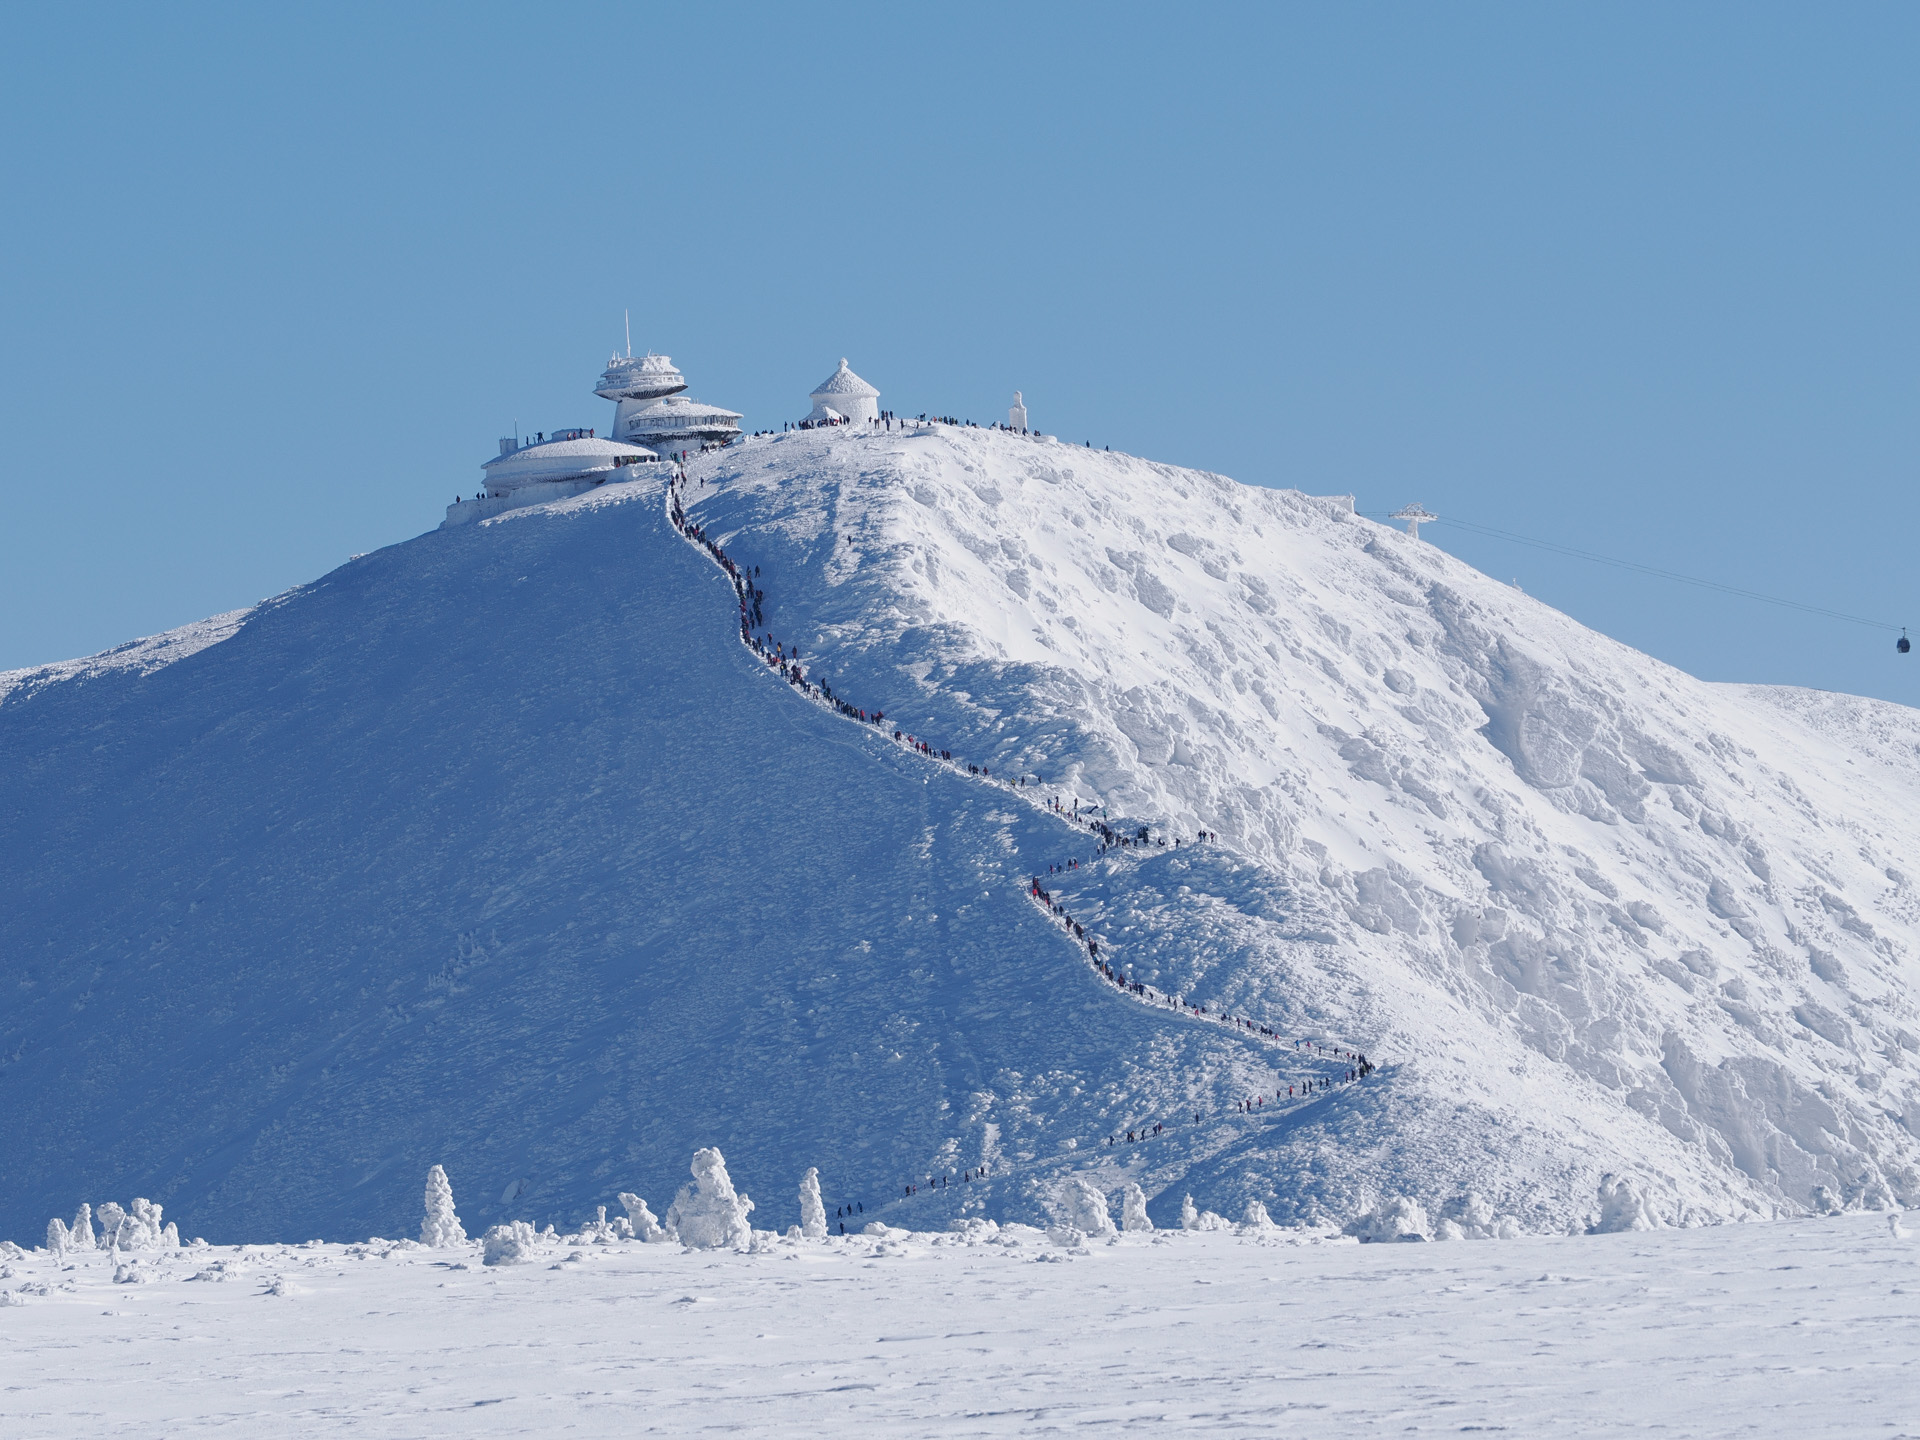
(813, 1210)
(1133, 1208)
(596, 1231)
(710, 1214)
(1085, 1207)
(1256, 1221)
(1192, 1219)
(645, 1226)
(111, 1218)
(11, 1297)
(1398, 1218)
(131, 1272)
(441, 1226)
(11, 1251)
(515, 1243)
(1068, 1237)
(1824, 1201)
(1469, 1217)
(1622, 1208)
(80, 1237)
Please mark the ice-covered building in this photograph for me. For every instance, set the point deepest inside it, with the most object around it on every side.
(675, 424)
(650, 409)
(846, 396)
(633, 382)
(556, 467)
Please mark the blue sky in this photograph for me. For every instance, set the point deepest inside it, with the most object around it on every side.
(1638, 279)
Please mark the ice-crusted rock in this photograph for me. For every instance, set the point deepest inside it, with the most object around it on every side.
(441, 1226)
(1133, 1208)
(515, 1243)
(710, 1214)
(1396, 1218)
(1084, 1207)
(1622, 1208)
(641, 1219)
(813, 1210)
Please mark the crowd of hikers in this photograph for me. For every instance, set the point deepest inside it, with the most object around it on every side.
(785, 659)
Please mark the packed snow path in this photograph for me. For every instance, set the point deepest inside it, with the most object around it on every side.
(1313, 1066)
(1800, 1328)
(752, 601)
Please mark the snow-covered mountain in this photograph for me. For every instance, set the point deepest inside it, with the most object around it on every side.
(498, 848)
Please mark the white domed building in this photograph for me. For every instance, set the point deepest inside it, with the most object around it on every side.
(676, 424)
(650, 409)
(844, 395)
(569, 463)
(633, 382)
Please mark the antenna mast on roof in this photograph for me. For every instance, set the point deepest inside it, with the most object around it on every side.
(628, 314)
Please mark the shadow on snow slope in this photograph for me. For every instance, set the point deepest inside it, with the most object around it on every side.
(496, 848)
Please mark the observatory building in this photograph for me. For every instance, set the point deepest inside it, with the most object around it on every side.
(652, 419)
(651, 411)
(549, 467)
(843, 395)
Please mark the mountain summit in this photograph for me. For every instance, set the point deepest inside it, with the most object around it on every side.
(499, 848)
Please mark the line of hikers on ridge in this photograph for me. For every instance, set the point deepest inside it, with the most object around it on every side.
(752, 614)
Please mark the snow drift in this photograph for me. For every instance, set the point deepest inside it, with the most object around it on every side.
(497, 846)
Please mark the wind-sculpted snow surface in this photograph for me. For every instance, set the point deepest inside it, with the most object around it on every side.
(498, 848)
(1588, 907)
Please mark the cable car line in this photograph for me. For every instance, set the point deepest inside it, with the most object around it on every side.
(1664, 574)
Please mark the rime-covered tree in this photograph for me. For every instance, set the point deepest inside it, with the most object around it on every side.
(441, 1226)
(813, 1211)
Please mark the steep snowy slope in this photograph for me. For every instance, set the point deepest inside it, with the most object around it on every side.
(1606, 916)
(498, 849)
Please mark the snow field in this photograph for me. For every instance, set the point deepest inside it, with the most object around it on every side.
(1800, 1328)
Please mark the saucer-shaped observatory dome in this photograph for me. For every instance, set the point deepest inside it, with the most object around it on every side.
(845, 393)
(640, 377)
(573, 458)
(677, 423)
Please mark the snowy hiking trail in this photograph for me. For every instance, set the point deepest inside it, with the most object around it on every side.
(1329, 1069)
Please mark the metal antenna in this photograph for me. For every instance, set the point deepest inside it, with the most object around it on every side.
(1415, 515)
(628, 314)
